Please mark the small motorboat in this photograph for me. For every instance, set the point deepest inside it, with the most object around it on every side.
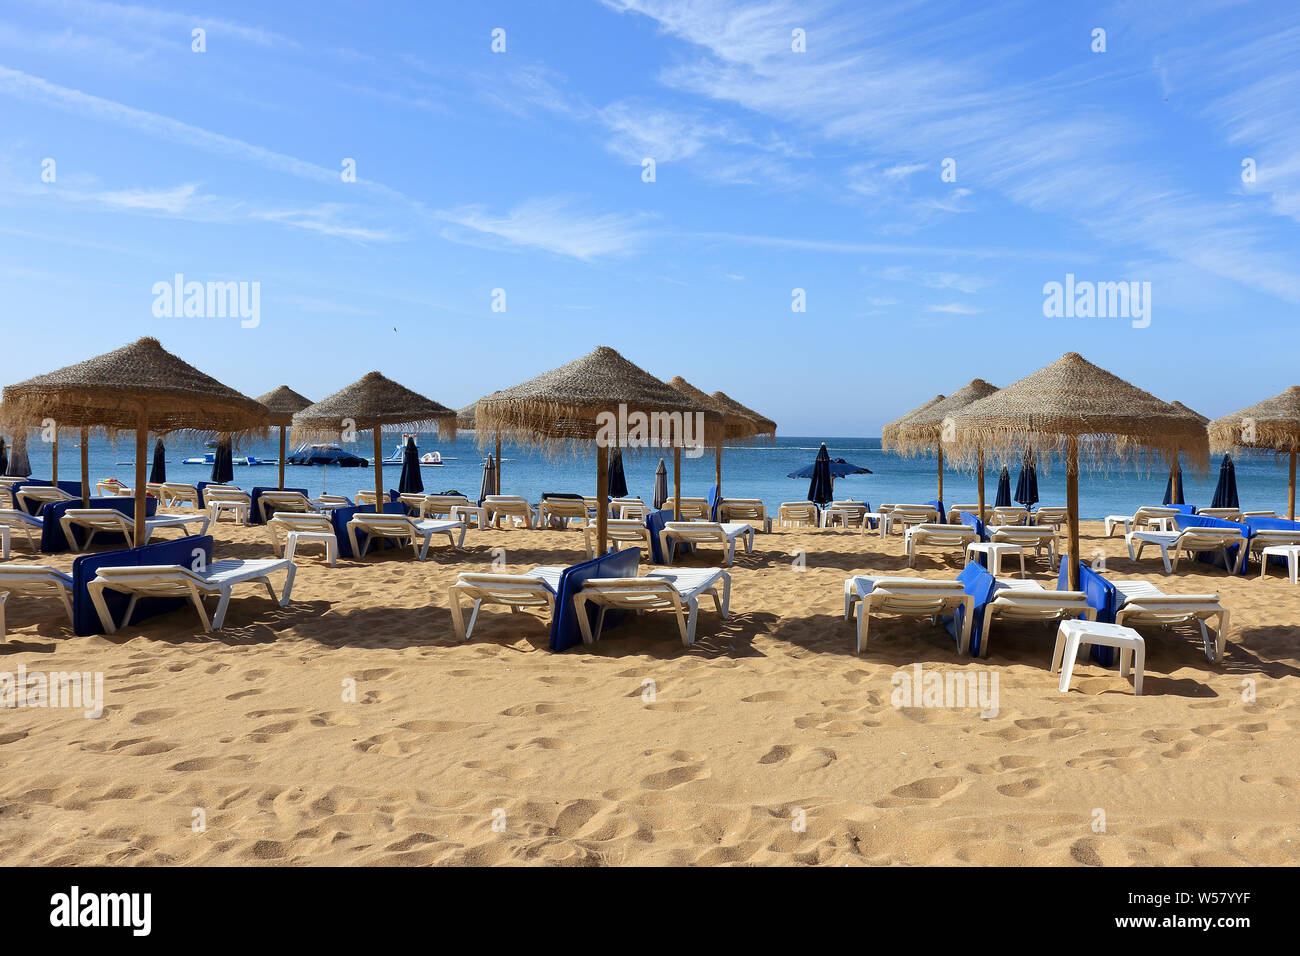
(248, 460)
(325, 453)
(431, 460)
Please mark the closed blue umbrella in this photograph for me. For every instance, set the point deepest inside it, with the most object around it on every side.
(223, 464)
(1225, 492)
(821, 487)
(661, 485)
(617, 479)
(1003, 499)
(19, 466)
(1027, 486)
(411, 483)
(158, 472)
(489, 486)
(4, 457)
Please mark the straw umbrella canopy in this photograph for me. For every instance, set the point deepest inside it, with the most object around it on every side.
(369, 404)
(1273, 424)
(577, 403)
(766, 428)
(889, 433)
(1082, 411)
(140, 387)
(282, 403)
(732, 424)
(1175, 488)
(924, 428)
(465, 417)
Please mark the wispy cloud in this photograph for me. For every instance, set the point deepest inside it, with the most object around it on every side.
(555, 225)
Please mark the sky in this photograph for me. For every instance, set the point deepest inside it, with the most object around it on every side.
(913, 174)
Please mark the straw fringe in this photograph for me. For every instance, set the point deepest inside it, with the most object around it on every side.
(922, 431)
(371, 402)
(889, 434)
(766, 428)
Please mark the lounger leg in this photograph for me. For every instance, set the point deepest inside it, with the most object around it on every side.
(726, 596)
(1022, 563)
(600, 622)
(984, 632)
(223, 604)
(1139, 667)
(1067, 663)
(4, 596)
(290, 549)
(96, 590)
(458, 614)
(580, 609)
(332, 551)
(352, 538)
(1164, 556)
(688, 630)
(424, 548)
(864, 624)
(1057, 652)
(460, 542)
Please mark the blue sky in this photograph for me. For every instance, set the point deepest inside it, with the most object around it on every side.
(775, 170)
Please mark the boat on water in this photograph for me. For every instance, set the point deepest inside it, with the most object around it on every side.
(325, 453)
(430, 459)
(210, 459)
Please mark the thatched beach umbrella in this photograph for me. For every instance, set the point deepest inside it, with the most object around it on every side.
(282, 403)
(765, 427)
(369, 404)
(924, 428)
(890, 430)
(465, 417)
(580, 402)
(730, 425)
(140, 387)
(1075, 408)
(1273, 424)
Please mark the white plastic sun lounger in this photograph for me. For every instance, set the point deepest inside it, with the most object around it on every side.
(40, 496)
(1189, 540)
(749, 510)
(1138, 520)
(95, 520)
(955, 511)
(797, 514)
(847, 513)
(693, 509)
(513, 507)
(1015, 600)
(1271, 538)
(16, 520)
(289, 530)
(535, 588)
(402, 528)
(566, 509)
(705, 532)
(943, 537)
(1051, 516)
(906, 516)
(174, 494)
(1009, 515)
(438, 506)
(678, 591)
(1227, 514)
(1144, 603)
(1036, 537)
(274, 502)
(217, 580)
(218, 500)
(628, 508)
(909, 597)
(33, 580)
(619, 532)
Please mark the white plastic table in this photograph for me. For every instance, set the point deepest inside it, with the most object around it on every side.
(1289, 551)
(1073, 634)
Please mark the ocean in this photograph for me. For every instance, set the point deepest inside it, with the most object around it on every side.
(749, 471)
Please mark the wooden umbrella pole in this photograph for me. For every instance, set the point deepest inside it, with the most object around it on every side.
(379, 473)
(602, 499)
(85, 468)
(497, 478)
(1072, 500)
(981, 483)
(717, 469)
(1290, 504)
(281, 485)
(141, 450)
(940, 449)
(54, 458)
(677, 483)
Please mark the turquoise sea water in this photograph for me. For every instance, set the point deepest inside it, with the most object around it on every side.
(751, 471)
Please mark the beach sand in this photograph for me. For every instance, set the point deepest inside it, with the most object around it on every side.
(768, 742)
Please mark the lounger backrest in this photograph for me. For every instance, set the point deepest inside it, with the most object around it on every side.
(183, 552)
(565, 632)
(1101, 594)
(255, 498)
(655, 522)
(340, 517)
(52, 537)
(974, 523)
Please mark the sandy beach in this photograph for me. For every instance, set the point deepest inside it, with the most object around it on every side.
(768, 742)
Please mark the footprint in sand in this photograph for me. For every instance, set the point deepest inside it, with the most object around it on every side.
(146, 717)
(804, 759)
(434, 726)
(925, 790)
(334, 718)
(676, 777)
(541, 710)
(1022, 788)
